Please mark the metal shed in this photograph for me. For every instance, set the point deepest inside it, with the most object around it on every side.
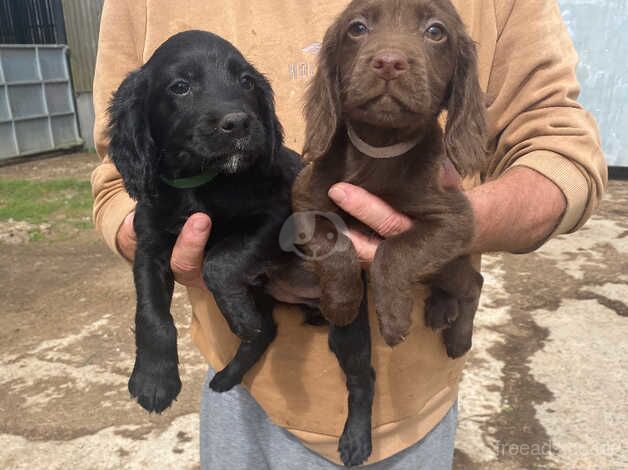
(37, 111)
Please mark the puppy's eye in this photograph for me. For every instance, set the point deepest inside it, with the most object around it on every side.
(358, 28)
(247, 82)
(436, 32)
(180, 87)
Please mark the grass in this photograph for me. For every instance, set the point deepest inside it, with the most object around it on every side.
(63, 202)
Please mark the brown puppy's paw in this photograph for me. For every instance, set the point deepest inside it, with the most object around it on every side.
(394, 318)
(458, 337)
(393, 313)
(394, 334)
(441, 309)
(457, 343)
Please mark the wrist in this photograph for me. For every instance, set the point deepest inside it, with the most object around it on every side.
(516, 212)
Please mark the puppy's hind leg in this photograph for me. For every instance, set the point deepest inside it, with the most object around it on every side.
(352, 346)
(249, 352)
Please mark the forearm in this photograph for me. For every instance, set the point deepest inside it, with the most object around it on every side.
(120, 47)
(515, 212)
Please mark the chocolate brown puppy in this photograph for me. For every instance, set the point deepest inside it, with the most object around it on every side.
(387, 70)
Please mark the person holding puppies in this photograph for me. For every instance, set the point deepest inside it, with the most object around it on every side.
(546, 174)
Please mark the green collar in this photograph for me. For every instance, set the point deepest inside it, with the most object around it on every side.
(191, 182)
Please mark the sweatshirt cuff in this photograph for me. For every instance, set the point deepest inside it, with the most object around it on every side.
(119, 206)
(566, 175)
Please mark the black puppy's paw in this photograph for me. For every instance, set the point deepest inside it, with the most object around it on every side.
(225, 380)
(355, 445)
(441, 309)
(155, 383)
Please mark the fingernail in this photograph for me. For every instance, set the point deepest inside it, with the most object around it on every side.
(337, 194)
(201, 225)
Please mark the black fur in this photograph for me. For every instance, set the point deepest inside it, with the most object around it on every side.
(155, 132)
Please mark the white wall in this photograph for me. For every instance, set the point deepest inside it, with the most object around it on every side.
(599, 29)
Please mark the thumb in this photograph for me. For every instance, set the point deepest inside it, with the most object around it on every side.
(369, 209)
(365, 245)
(189, 250)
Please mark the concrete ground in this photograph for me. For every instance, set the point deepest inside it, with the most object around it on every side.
(545, 386)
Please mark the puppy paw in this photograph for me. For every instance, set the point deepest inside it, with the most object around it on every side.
(441, 309)
(458, 337)
(225, 380)
(155, 383)
(393, 335)
(394, 319)
(457, 344)
(355, 447)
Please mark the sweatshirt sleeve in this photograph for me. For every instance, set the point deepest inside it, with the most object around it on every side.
(534, 117)
(120, 50)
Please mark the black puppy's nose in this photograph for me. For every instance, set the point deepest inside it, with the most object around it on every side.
(235, 124)
(390, 64)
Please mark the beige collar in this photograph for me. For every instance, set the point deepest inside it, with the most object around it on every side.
(390, 151)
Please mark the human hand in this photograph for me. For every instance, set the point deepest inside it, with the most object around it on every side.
(377, 214)
(188, 251)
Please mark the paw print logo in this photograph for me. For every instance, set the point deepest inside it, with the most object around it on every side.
(298, 231)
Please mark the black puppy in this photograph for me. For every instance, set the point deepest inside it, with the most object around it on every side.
(195, 130)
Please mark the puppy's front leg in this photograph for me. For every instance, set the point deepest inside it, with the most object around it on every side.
(155, 381)
(414, 256)
(327, 251)
(334, 259)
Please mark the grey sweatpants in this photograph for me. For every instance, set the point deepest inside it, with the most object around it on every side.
(236, 434)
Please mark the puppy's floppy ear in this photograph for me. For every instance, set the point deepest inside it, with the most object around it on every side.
(322, 101)
(131, 145)
(465, 132)
(271, 122)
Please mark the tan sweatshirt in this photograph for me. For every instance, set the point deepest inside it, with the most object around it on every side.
(526, 62)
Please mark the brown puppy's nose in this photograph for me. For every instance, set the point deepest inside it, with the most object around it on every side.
(235, 124)
(389, 64)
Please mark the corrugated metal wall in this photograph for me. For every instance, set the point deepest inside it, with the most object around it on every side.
(82, 20)
(599, 29)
